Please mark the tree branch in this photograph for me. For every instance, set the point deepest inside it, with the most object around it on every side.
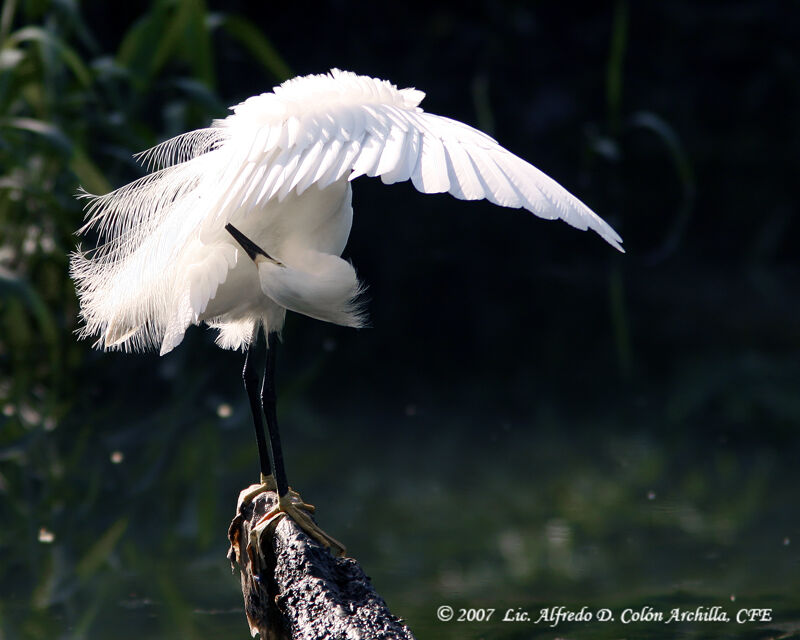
(294, 589)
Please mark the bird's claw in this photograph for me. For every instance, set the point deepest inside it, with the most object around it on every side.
(267, 484)
(292, 505)
(246, 496)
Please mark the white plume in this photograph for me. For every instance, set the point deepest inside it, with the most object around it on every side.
(164, 260)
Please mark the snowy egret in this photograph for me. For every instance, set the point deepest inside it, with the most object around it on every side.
(241, 221)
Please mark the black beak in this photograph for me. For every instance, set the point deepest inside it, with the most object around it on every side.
(250, 247)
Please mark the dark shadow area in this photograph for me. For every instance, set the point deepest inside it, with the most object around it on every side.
(531, 420)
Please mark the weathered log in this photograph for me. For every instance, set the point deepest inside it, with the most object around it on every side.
(294, 589)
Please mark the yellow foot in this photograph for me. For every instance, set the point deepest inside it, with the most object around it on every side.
(267, 484)
(292, 505)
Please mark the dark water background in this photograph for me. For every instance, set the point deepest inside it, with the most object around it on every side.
(531, 421)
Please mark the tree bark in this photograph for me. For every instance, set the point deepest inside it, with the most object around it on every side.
(294, 589)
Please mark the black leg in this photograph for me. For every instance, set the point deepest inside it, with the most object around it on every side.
(250, 378)
(270, 412)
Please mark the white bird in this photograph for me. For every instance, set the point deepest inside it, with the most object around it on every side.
(274, 178)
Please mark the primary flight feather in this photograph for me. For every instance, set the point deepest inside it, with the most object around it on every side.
(278, 170)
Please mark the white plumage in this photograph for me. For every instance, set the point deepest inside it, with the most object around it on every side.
(279, 169)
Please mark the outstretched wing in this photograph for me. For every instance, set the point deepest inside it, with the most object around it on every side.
(316, 130)
(309, 132)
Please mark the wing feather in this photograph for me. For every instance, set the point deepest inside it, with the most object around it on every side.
(308, 166)
(465, 184)
(342, 164)
(314, 130)
(328, 159)
(370, 153)
(392, 154)
(430, 174)
(369, 128)
(498, 189)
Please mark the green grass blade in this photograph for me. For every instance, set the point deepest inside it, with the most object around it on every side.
(258, 45)
(68, 56)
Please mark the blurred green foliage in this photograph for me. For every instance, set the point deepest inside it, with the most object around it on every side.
(72, 115)
(537, 423)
